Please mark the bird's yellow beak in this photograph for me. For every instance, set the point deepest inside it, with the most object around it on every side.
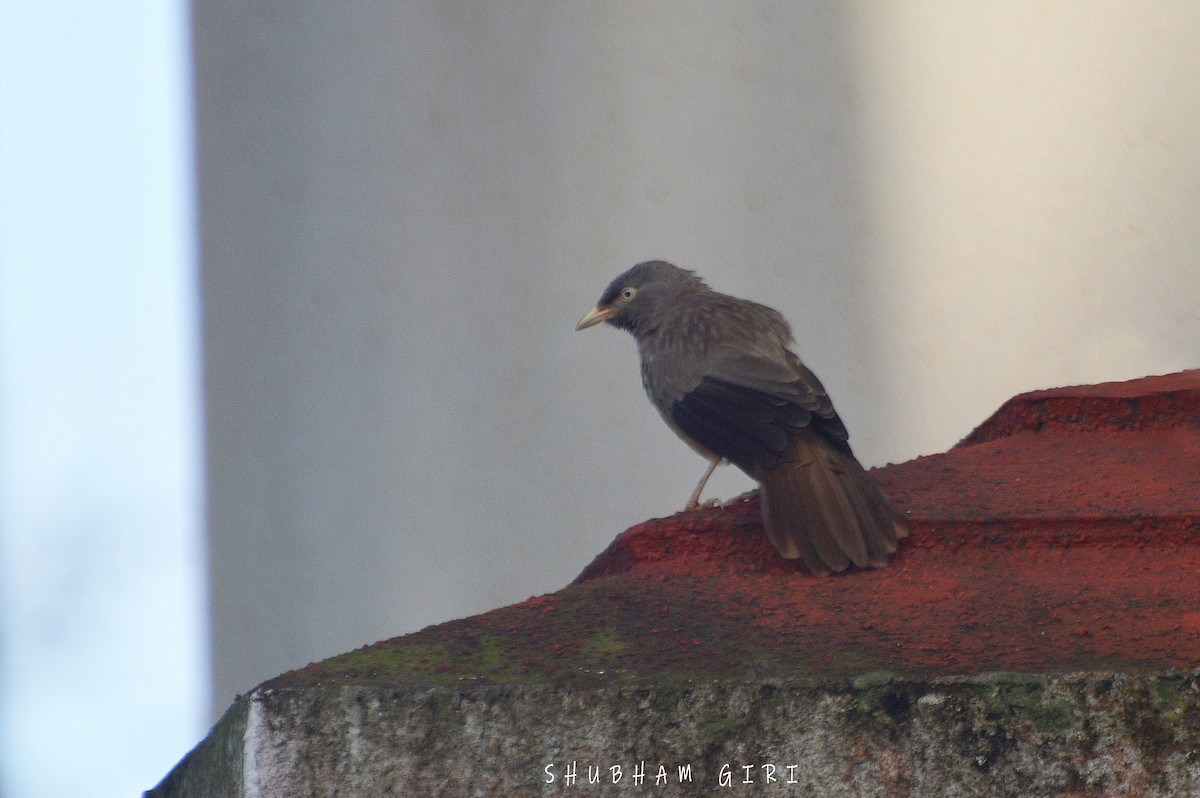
(595, 316)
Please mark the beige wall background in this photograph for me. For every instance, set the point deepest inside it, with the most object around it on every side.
(405, 207)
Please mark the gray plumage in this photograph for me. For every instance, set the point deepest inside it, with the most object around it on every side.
(720, 372)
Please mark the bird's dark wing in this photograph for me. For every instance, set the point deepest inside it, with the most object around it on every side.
(772, 418)
(746, 406)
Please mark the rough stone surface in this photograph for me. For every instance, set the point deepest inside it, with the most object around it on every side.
(995, 734)
(1037, 635)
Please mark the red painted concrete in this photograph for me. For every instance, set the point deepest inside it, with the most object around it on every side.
(1062, 534)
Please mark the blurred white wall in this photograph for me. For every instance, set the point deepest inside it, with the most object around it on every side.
(406, 207)
(1034, 201)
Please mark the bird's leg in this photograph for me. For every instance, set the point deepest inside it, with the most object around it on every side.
(694, 500)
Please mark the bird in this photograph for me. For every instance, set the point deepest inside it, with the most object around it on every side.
(722, 374)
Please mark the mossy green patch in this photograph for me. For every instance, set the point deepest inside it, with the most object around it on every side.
(1009, 700)
(1169, 692)
(604, 645)
(879, 694)
(1163, 714)
(402, 661)
(717, 725)
(405, 660)
(490, 658)
(850, 660)
(872, 680)
(665, 698)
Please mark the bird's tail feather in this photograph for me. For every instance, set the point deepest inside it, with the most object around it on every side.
(819, 504)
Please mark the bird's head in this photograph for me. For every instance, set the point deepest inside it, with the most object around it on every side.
(637, 300)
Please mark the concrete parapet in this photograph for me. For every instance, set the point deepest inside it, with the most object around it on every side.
(1037, 635)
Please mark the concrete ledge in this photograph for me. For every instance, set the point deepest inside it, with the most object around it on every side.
(996, 734)
(1037, 635)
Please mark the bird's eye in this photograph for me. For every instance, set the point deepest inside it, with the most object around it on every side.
(628, 293)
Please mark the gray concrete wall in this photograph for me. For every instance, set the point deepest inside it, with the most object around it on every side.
(1107, 735)
(405, 207)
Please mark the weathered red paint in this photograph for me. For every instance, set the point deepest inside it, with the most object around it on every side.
(1062, 534)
